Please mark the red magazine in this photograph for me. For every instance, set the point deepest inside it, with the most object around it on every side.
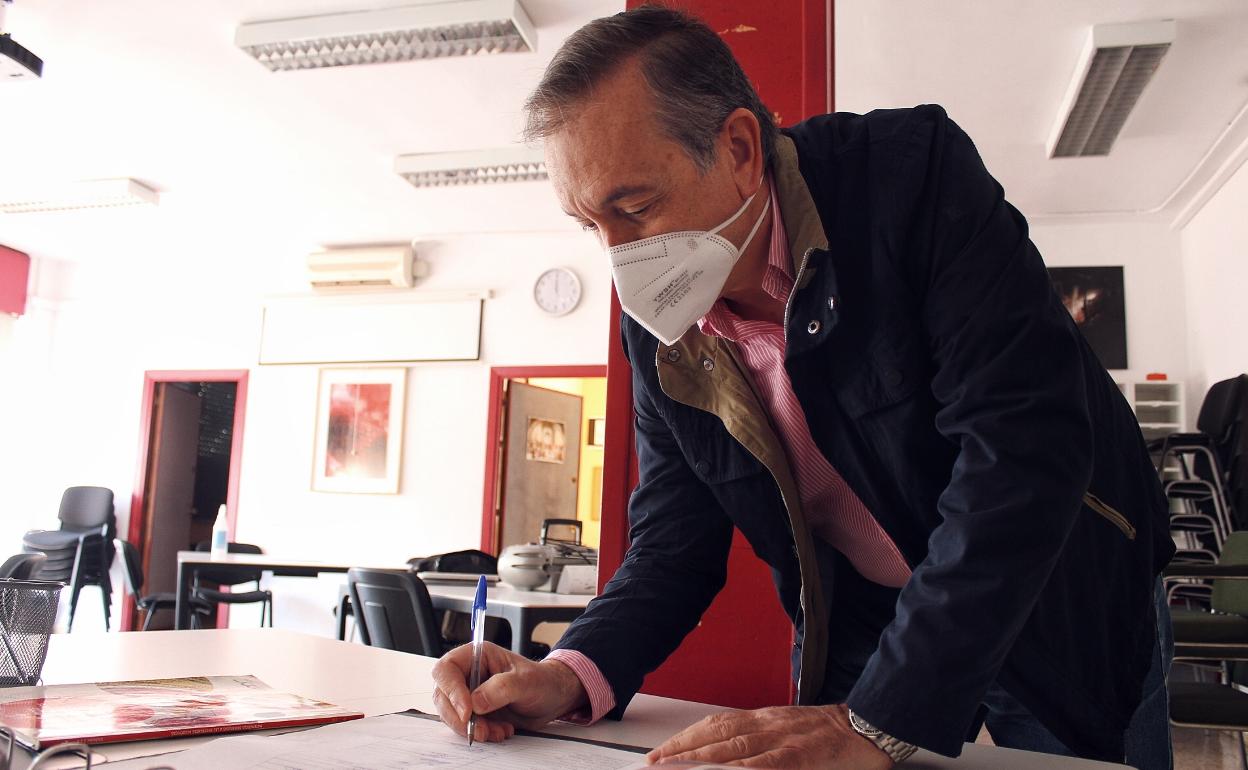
(111, 712)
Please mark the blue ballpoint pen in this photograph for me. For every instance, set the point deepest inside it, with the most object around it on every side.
(478, 640)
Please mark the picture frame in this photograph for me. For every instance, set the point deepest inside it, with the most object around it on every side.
(1096, 300)
(359, 430)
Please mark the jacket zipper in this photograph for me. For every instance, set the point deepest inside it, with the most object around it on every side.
(797, 281)
(1116, 518)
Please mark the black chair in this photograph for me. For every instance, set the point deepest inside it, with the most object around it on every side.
(393, 611)
(21, 566)
(81, 551)
(151, 603)
(232, 577)
(1214, 640)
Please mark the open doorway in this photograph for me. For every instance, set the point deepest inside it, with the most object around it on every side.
(544, 452)
(189, 460)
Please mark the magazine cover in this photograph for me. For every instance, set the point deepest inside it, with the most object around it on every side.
(110, 712)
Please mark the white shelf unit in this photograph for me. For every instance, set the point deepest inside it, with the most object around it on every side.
(1161, 408)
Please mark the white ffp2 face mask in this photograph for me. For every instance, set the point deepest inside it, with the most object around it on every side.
(667, 282)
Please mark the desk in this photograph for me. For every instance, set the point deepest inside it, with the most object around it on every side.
(377, 682)
(522, 610)
(191, 561)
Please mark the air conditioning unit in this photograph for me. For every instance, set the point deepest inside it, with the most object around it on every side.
(379, 266)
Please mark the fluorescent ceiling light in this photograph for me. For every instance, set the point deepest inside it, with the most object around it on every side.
(93, 194)
(410, 32)
(445, 169)
(1117, 62)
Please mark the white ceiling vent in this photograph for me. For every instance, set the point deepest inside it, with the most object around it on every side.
(90, 194)
(446, 169)
(1117, 63)
(419, 31)
(374, 266)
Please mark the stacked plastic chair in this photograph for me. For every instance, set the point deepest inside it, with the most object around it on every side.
(81, 551)
(1209, 464)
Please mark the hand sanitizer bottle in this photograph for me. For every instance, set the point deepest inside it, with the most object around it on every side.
(220, 536)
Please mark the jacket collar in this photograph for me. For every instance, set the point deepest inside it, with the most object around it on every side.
(802, 226)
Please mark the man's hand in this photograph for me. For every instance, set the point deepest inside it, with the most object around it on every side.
(789, 737)
(514, 692)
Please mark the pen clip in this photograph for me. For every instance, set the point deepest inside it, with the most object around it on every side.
(478, 602)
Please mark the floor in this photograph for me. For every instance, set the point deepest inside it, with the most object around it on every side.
(1205, 750)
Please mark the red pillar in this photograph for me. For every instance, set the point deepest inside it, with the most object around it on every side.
(739, 655)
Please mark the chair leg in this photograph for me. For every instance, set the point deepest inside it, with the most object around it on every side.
(108, 608)
(147, 621)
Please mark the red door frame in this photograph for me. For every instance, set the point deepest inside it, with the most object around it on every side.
(790, 59)
(493, 430)
(129, 617)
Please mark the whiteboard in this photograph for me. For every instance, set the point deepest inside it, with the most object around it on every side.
(360, 330)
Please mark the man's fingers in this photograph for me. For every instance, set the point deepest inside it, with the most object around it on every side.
(714, 729)
(448, 713)
(497, 692)
(735, 748)
(450, 677)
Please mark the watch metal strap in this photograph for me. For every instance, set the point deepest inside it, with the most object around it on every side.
(896, 749)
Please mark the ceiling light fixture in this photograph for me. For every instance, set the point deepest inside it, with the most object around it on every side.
(448, 169)
(92, 194)
(1117, 62)
(427, 31)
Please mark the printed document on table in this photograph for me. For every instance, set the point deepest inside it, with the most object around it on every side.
(392, 742)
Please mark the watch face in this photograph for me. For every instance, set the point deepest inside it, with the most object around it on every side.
(557, 291)
(862, 727)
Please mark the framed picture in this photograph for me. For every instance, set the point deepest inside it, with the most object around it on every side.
(1094, 297)
(546, 441)
(359, 430)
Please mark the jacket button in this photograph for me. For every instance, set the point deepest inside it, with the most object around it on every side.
(708, 364)
(702, 467)
(813, 327)
(673, 355)
(832, 303)
(893, 377)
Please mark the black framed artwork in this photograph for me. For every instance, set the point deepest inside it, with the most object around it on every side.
(1095, 299)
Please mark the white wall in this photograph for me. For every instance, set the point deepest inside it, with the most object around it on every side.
(1152, 280)
(91, 335)
(1215, 264)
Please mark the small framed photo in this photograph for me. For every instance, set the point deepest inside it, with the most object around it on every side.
(359, 430)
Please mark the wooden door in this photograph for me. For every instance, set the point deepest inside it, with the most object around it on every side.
(739, 654)
(541, 460)
(175, 451)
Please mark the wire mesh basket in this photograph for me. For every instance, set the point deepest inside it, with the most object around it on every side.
(27, 612)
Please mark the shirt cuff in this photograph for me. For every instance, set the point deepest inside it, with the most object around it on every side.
(601, 697)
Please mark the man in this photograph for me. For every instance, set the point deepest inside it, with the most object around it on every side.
(844, 344)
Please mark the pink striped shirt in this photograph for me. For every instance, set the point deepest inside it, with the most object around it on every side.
(833, 511)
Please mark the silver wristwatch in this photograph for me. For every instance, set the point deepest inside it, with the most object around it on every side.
(898, 751)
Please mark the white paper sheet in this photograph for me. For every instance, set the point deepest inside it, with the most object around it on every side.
(393, 742)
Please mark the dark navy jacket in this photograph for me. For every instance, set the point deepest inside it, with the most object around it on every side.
(950, 388)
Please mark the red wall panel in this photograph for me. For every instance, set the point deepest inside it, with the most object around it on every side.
(739, 654)
(14, 275)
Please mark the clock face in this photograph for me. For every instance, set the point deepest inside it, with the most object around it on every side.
(557, 291)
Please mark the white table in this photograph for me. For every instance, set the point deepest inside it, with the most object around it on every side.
(523, 610)
(189, 562)
(379, 682)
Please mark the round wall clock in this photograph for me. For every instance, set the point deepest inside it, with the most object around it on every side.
(557, 291)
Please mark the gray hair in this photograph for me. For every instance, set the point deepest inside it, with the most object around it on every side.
(695, 79)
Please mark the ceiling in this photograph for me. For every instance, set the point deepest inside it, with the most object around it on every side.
(254, 165)
(1002, 68)
(249, 162)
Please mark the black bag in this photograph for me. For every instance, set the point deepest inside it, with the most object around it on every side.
(472, 561)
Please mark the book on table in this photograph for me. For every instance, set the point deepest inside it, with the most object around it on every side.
(112, 712)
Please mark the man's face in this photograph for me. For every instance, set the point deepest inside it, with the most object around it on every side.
(622, 178)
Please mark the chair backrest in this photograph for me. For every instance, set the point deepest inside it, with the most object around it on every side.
(230, 577)
(1221, 410)
(572, 524)
(85, 508)
(1231, 596)
(393, 611)
(22, 566)
(132, 566)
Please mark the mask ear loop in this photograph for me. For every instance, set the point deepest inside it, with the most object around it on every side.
(741, 210)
